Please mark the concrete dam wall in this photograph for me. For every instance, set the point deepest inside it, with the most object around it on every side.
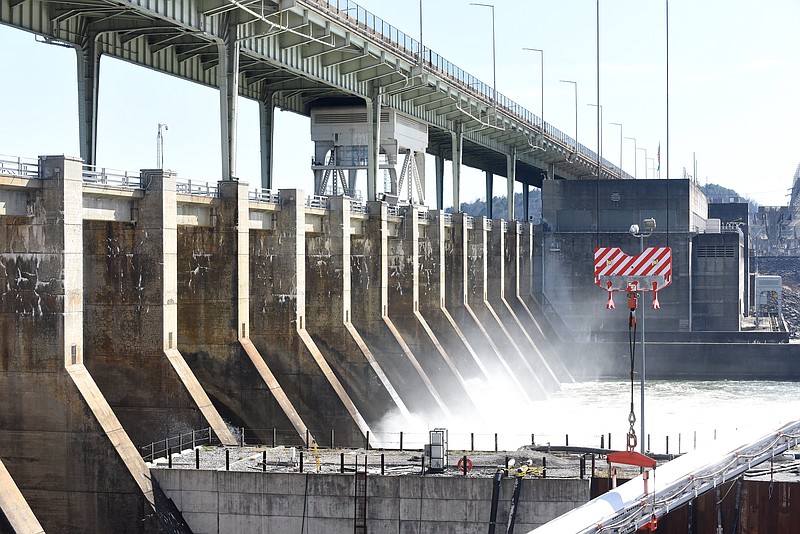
(131, 312)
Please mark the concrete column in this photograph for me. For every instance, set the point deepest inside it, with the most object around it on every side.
(439, 159)
(57, 432)
(229, 91)
(526, 200)
(266, 115)
(374, 139)
(489, 193)
(279, 327)
(88, 88)
(511, 164)
(132, 305)
(419, 160)
(457, 140)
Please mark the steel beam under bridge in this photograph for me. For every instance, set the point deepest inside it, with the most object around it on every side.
(291, 53)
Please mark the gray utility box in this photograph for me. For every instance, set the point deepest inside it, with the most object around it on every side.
(436, 450)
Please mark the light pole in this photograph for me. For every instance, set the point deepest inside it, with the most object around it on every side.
(541, 63)
(649, 225)
(160, 145)
(599, 136)
(645, 161)
(494, 53)
(420, 32)
(620, 146)
(575, 85)
(635, 172)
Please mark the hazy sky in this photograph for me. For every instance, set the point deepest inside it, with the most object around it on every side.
(734, 90)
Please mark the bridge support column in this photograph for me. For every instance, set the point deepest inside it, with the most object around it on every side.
(511, 162)
(439, 160)
(457, 137)
(489, 194)
(229, 92)
(374, 129)
(88, 89)
(266, 114)
(526, 200)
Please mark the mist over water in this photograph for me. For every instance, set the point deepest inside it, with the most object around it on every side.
(691, 412)
(733, 409)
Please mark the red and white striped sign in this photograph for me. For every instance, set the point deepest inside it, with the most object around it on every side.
(615, 271)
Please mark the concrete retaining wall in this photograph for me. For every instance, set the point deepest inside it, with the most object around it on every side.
(227, 501)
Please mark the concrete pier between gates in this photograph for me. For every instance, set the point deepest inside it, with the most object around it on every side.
(57, 431)
(213, 318)
(131, 300)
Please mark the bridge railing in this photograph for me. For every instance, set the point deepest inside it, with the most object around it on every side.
(19, 166)
(269, 196)
(353, 15)
(318, 201)
(189, 187)
(114, 177)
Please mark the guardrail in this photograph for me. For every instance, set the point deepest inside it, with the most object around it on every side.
(679, 443)
(19, 166)
(318, 201)
(448, 218)
(115, 177)
(470, 222)
(204, 189)
(352, 15)
(269, 196)
(356, 206)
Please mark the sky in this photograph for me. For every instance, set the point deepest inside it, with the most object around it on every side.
(734, 91)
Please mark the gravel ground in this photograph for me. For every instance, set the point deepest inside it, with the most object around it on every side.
(287, 460)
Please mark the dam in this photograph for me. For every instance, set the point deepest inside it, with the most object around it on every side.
(143, 306)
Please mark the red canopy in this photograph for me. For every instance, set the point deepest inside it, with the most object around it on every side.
(631, 458)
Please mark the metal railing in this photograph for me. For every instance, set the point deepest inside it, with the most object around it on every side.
(318, 201)
(188, 187)
(354, 16)
(470, 222)
(269, 196)
(488, 224)
(114, 177)
(675, 444)
(357, 206)
(19, 166)
(422, 214)
(447, 218)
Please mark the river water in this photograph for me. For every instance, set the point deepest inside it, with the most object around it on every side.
(689, 413)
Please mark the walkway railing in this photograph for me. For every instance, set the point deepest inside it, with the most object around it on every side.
(269, 196)
(189, 187)
(352, 15)
(114, 177)
(19, 166)
(675, 444)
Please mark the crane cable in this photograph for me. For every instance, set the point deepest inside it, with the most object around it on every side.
(632, 305)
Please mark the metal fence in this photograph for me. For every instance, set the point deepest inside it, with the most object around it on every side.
(189, 187)
(114, 177)
(19, 166)
(675, 444)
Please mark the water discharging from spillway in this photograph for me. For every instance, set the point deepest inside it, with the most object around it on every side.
(689, 413)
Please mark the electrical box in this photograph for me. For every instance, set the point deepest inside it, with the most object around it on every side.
(436, 450)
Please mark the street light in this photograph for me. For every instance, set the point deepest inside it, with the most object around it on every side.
(575, 85)
(635, 172)
(620, 146)
(650, 226)
(541, 62)
(160, 145)
(599, 136)
(494, 52)
(645, 161)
